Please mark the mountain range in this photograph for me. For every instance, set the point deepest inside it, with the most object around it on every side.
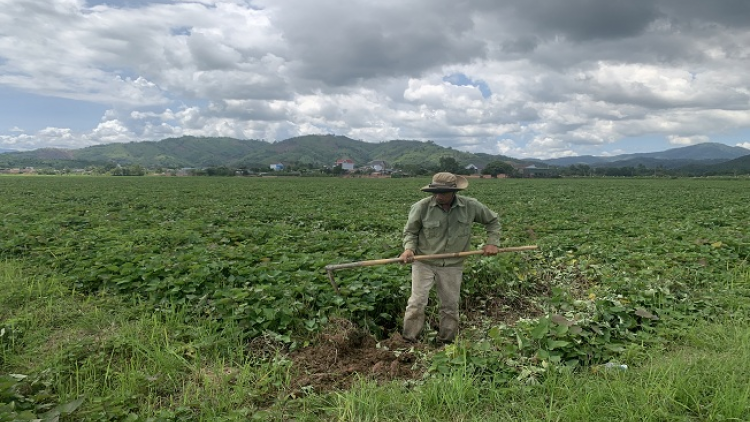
(325, 150)
(707, 153)
(195, 152)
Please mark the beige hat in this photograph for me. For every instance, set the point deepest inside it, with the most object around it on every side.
(446, 182)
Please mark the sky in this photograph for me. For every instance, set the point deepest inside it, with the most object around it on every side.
(521, 78)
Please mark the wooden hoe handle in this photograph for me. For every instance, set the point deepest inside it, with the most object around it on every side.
(331, 268)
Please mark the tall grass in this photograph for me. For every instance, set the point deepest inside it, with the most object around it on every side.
(706, 380)
(127, 361)
(703, 378)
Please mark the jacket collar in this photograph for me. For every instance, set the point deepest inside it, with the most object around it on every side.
(458, 201)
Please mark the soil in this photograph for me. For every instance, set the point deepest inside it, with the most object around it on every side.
(344, 355)
(500, 310)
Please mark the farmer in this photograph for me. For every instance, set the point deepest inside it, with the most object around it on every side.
(441, 224)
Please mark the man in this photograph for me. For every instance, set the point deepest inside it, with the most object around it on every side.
(440, 224)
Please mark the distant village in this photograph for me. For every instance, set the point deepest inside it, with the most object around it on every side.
(342, 167)
(382, 168)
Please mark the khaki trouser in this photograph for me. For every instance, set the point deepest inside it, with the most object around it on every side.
(447, 281)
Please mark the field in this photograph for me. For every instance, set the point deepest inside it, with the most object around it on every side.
(207, 298)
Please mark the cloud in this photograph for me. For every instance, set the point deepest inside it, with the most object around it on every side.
(50, 137)
(112, 131)
(582, 20)
(509, 148)
(687, 140)
(341, 44)
(534, 78)
(548, 148)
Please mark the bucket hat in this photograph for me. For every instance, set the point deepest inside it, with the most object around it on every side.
(446, 182)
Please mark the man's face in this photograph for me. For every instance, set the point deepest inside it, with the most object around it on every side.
(444, 198)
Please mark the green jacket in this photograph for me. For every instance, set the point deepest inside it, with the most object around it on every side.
(430, 230)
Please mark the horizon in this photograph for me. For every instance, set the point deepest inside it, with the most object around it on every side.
(3, 151)
(538, 80)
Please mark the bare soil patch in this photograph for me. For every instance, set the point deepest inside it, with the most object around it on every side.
(344, 354)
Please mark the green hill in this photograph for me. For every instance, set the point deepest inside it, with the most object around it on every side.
(324, 150)
(196, 152)
(694, 155)
(186, 151)
(728, 168)
(315, 150)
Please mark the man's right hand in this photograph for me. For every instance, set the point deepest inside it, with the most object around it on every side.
(407, 256)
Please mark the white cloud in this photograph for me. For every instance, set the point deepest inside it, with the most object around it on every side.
(565, 78)
(613, 153)
(50, 137)
(548, 148)
(112, 131)
(687, 140)
(509, 148)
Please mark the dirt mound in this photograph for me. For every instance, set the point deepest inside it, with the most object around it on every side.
(344, 354)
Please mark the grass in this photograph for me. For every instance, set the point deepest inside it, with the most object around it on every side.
(676, 247)
(130, 363)
(705, 380)
(124, 360)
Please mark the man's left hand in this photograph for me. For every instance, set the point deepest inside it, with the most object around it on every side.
(490, 250)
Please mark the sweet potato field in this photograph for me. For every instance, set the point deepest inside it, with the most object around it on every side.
(621, 262)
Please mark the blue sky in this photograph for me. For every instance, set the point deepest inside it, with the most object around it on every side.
(524, 79)
(35, 112)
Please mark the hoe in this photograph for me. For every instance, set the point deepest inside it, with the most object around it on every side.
(331, 268)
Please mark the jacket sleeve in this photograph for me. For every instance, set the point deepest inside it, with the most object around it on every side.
(413, 227)
(491, 222)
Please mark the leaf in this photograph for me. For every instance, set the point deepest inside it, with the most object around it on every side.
(269, 313)
(561, 320)
(615, 347)
(63, 409)
(645, 314)
(559, 330)
(494, 333)
(557, 344)
(572, 363)
(541, 329)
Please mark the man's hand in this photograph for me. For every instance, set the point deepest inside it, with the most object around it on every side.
(490, 250)
(407, 256)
